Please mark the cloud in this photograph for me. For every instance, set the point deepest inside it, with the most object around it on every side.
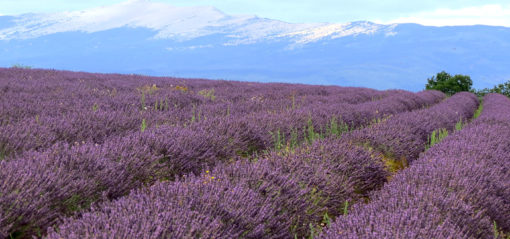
(493, 15)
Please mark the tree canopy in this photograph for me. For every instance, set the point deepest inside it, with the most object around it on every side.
(449, 84)
(503, 89)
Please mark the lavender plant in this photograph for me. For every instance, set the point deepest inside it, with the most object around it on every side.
(457, 189)
(60, 157)
(300, 188)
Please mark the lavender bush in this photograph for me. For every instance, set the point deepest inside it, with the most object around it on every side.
(42, 107)
(457, 189)
(401, 138)
(84, 144)
(302, 189)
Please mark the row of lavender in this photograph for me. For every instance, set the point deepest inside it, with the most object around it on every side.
(459, 188)
(40, 186)
(39, 108)
(38, 136)
(57, 92)
(277, 196)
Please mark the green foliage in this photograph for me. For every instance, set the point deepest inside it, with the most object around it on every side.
(196, 116)
(378, 120)
(459, 125)
(16, 234)
(293, 97)
(143, 126)
(503, 88)
(293, 139)
(2, 155)
(148, 89)
(161, 104)
(278, 140)
(193, 112)
(478, 111)
(346, 208)
(333, 127)
(144, 90)
(436, 137)
(183, 89)
(281, 144)
(72, 204)
(449, 84)
(326, 220)
(209, 94)
(21, 66)
(95, 107)
(393, 164)
(311, 135)
(496, 232)
(312, 232)
(336, 128)
(142, 100)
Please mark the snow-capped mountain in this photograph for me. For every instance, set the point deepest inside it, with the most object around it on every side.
(179, 23)
(140, 36)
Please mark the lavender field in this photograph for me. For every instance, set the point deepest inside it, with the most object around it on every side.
(87, 155)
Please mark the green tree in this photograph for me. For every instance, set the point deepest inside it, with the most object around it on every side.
(503, 88)
(449, 84)
(17, 65)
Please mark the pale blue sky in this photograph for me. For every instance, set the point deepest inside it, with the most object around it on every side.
(428, 12)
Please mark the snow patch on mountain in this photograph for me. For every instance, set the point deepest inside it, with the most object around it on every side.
(339, 30)
(180, 23)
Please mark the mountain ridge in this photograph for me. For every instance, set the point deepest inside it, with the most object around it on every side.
(249, 48)
(176, 23)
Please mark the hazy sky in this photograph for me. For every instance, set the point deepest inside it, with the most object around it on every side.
(427, 12)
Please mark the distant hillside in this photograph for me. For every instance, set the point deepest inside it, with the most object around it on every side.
(160, 39)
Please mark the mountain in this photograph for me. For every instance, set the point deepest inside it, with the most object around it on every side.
(144, 37)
